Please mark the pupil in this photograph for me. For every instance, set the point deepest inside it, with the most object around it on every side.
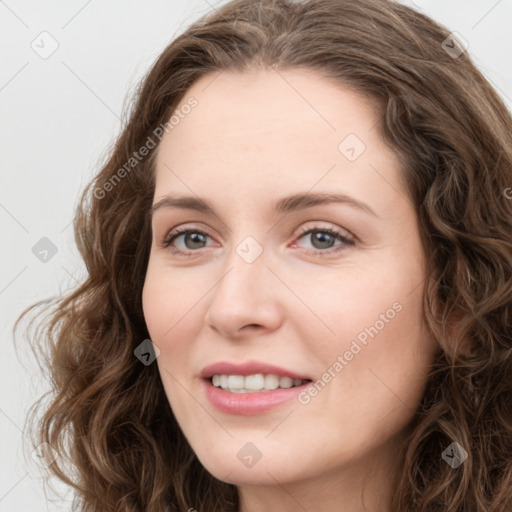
(322, 238)
(195, 238)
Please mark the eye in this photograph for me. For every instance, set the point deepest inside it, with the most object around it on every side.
(323, 238)
(192, 238)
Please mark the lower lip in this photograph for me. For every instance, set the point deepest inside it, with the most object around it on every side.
(249, 404)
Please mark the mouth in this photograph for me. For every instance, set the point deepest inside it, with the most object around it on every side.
(250, 388)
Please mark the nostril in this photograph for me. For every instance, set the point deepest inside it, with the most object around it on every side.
(251, 326)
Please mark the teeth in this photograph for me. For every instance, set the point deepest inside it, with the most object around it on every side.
(235, 382)
(286, 382)
(271, 382)
(254, 383)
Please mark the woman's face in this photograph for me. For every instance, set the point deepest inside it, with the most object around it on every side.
(277, 272)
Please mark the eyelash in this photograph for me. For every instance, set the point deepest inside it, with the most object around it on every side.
(338, 235)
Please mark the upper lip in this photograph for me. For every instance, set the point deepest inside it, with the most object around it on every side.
(249, 368)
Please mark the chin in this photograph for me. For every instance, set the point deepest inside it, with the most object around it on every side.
(230, 467)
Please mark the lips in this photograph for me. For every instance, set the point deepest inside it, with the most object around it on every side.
(249, 404)
(249, 368)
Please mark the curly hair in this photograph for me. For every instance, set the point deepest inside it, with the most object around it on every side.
(107, 416)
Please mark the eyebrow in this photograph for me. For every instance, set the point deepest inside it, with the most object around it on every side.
(283, 205)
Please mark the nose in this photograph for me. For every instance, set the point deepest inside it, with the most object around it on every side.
(245, 299)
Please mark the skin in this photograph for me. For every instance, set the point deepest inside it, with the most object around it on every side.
(253, 138)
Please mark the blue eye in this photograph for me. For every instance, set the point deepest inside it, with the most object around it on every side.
(322, 240)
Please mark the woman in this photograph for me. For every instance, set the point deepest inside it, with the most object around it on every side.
(368, 370)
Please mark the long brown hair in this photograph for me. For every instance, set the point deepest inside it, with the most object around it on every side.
(107, 415)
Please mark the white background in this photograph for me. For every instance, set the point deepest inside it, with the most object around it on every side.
(58, 117)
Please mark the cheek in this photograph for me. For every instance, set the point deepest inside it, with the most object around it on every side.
(385, 357)
(165, 300)
(172, 316)
(375, 321)
(347, 304)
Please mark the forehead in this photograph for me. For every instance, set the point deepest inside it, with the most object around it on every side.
(269, 131)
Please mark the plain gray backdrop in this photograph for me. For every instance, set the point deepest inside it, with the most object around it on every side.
(67, 70)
